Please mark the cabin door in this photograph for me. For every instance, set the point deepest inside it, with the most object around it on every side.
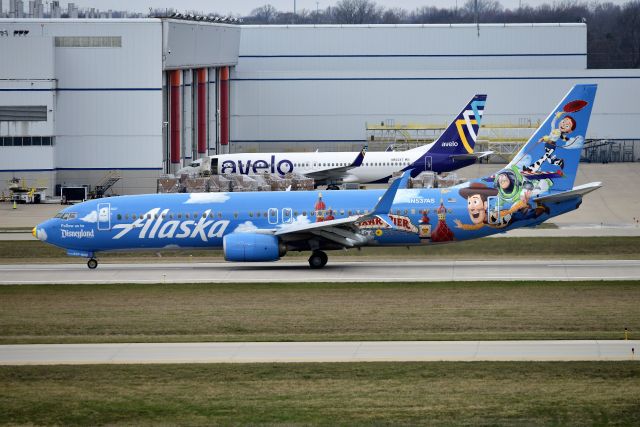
(104, 216)
(493, 210)
(214, 166)
(428, 163)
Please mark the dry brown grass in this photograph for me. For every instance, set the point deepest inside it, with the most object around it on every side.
(312, 312)
(588, 393)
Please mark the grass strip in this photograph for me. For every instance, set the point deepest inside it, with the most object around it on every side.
(494, 248)
(478, 393)
(318, 312)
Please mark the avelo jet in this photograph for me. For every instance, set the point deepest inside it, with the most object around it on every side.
(452, 150)
(264, 226)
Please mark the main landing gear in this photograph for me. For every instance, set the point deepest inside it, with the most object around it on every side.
(92, 263)
(318, 259)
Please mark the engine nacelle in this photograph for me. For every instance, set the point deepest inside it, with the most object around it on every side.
(248, 247)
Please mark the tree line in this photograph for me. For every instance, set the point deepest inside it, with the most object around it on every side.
(613, 31)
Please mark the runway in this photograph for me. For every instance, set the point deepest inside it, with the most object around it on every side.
(336, 271)
(288, 352)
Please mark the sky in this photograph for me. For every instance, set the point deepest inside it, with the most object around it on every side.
(244, 7)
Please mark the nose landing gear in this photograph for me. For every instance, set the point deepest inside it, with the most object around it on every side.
(318, 259)
(92, 263)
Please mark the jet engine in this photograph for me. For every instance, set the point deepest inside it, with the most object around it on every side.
(248, 247)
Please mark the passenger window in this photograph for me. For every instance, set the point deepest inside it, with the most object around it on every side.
(211, 215)
(235, 214)
(119, 217)
(134, 216)
(251, 214)
(186, 216)
(179, 216)
(220, 215)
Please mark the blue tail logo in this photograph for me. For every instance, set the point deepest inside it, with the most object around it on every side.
(460, 137)
(553, 151)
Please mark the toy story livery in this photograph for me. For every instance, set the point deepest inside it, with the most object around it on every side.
(264, 226)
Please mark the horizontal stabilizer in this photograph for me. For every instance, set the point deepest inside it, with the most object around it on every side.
(470, 156)
(580, 190)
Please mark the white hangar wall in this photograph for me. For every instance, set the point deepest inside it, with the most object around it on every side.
(103, 83)
(312, 87)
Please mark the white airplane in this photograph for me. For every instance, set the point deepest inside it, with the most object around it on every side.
(452, 150)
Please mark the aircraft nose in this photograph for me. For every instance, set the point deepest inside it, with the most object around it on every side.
(39, 232)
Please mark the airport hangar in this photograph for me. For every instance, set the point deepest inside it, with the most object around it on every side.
(79, 98)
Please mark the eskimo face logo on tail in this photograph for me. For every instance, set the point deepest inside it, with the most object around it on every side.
(152, 227)
(470, 117)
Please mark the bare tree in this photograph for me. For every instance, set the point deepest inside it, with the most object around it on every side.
(266, 14)
(357, 12)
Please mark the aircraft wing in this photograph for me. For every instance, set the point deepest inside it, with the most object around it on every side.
(470, 156)
(343, 231)
(580, 190)
(340, 171)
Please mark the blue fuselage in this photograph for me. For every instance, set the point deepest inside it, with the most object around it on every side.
(201, 220)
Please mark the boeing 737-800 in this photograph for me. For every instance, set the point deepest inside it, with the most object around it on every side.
(535, 186)
(451, 151)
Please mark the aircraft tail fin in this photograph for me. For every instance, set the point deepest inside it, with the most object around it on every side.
(553, 151)
(461, 134)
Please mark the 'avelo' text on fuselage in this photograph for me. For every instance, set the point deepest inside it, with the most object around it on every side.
(282, 167)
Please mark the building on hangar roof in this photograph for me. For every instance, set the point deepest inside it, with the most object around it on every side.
(147, 96)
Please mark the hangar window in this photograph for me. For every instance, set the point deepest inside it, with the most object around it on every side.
(86, 41)
(23, 113)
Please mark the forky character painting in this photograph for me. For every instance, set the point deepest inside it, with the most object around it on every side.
(559, 136)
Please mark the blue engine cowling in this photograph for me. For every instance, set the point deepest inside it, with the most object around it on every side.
(247, 247)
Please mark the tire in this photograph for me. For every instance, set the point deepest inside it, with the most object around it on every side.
(318, 259)
(92, 263)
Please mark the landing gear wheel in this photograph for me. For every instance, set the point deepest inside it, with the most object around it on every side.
(92, 263)
(318, 259)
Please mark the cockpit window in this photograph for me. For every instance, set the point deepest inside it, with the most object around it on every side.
(65, 216)
(73, 215)
(58, 215)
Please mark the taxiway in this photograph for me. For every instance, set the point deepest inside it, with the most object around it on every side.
(297, 270)
(285, 352)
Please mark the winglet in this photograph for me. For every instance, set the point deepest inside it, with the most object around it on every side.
(360, 157)
(383, 207)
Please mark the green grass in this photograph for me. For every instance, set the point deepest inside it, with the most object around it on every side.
(318, 312)
(489, 248)
(571, 393)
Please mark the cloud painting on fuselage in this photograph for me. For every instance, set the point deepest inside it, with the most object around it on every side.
(263, 226)
(451, 151)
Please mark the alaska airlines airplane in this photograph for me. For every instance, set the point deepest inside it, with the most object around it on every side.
(264, 226)
(452, 150)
